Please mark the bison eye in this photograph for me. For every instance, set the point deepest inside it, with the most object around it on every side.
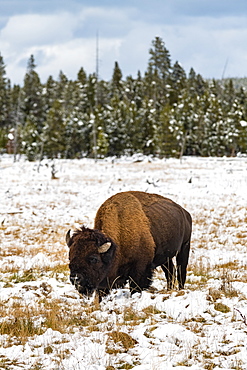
(93, 259)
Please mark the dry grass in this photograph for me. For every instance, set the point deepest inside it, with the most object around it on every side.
(132, 317)
(119, 342)
(20, 323)
(221, 307)
(13, 275)
(6, 363)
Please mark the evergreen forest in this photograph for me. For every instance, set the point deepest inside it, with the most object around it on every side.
(163, 112)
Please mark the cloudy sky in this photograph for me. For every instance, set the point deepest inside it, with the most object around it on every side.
(208, 35)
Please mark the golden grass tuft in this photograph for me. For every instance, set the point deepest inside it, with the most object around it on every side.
(133, 317)
(119, 342)
(20, 325)
(231, 265)
(221, 307)
(20, 322)
(214, 294)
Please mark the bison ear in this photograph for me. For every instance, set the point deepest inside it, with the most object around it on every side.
(68, 238)
(104, 247)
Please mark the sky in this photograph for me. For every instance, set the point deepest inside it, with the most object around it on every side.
(207, 35)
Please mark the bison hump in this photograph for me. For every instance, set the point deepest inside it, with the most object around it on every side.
(123, 219)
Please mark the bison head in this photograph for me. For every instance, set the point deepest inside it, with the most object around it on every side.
(91, 254)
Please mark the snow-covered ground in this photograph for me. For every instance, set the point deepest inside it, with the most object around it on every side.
(44, 324)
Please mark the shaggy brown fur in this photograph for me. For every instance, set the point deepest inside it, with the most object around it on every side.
(145, 231)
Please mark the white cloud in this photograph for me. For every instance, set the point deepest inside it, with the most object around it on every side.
(52, 41)
(67, 41)
(68, 56)
(35, 29)
(71, 56)
(205, 44)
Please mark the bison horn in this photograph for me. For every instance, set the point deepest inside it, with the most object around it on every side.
(68, 238)
(104, 247)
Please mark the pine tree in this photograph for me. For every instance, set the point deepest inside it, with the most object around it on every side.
(54, 134)
(79, 94)
(82, 76)
(61, 86)
(242, 137)
(139, 90)
(167, 133)
(233, 132)
(196, 84)
(177, 82)
(49, 94)
(31, 104)
(201, 85)
(148, 122)
(116, 81)
(228, 96)
(102, 142)
(241, 125)
(199, 135)
(31, 140)
(158, 72)
(4, 96)
(91, 91)
(183, 123)
(159, 61)
(77, 135)
(103, 93)
(16, 116)
(133, 127)
(116, 129)
(213, 144)
(6, 118)
(65, 91)
(32, 99)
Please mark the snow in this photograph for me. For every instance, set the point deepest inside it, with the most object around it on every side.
(181, 329)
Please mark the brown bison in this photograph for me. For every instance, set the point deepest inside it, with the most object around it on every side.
(134, 232)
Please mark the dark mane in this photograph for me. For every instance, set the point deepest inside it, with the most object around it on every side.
(91, 234)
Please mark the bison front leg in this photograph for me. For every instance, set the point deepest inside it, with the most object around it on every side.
(102, 293)
(140, 279)
(169, 270)
(182, 262)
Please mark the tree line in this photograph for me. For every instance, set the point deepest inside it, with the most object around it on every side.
(163, 112)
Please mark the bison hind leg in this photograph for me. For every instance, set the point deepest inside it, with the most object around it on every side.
(182, 262)
(170, 273)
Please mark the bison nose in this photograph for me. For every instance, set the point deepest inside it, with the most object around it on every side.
(77, 280)
(73, 279)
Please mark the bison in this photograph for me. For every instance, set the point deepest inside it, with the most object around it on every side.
(134, 232)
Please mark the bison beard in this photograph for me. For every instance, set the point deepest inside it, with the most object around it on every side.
(81, 284)
(134, 233)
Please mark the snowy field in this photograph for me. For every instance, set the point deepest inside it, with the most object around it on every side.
(44, 324)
